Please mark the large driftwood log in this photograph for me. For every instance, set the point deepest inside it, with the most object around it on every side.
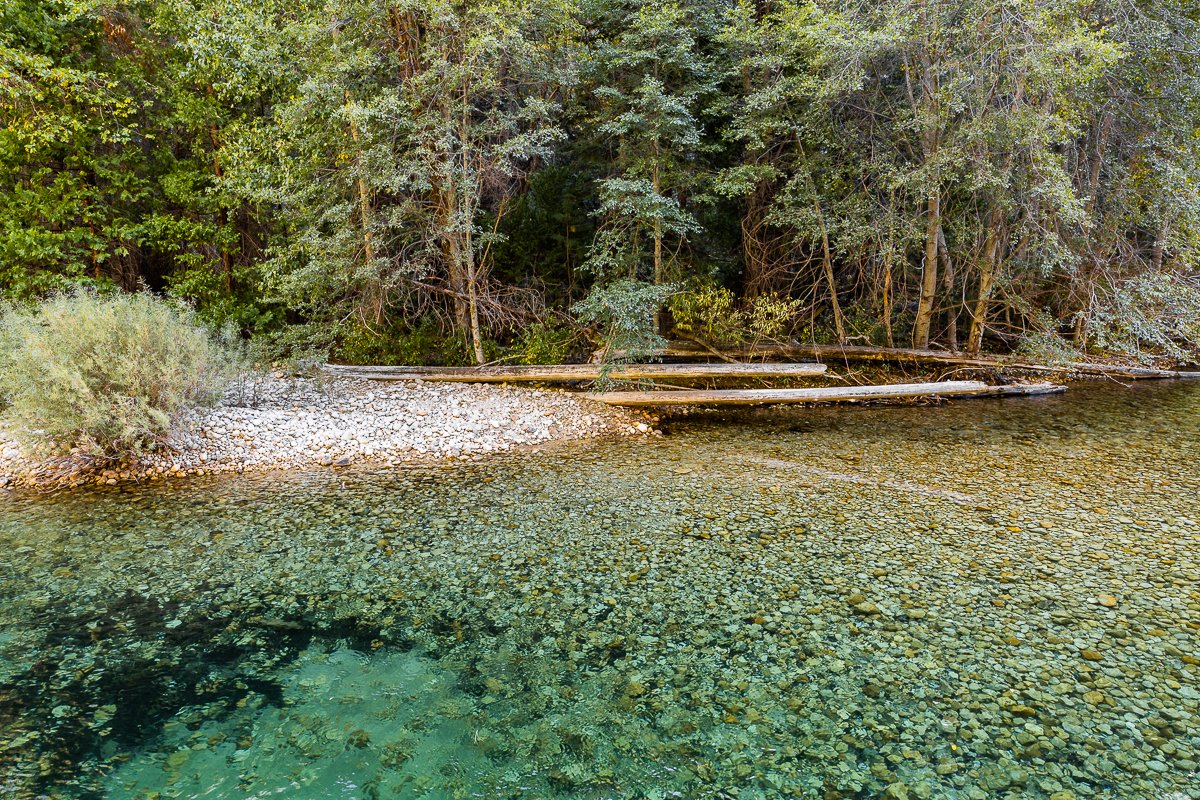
(755, 397)
(834, 353)
(579, 372)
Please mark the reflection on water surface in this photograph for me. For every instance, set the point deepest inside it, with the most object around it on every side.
(981, 600)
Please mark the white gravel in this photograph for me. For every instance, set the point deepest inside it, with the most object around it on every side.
(281, 423)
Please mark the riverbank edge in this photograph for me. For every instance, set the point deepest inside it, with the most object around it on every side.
(279, 424)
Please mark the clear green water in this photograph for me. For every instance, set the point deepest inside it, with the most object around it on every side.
(810, 603)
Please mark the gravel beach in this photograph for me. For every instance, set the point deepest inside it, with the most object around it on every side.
(284, 423)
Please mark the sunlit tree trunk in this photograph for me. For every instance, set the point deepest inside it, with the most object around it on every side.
(929, 271)
(470, 203)
(988, 268)
(925, 109)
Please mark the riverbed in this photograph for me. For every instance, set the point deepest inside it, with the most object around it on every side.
(984, 599)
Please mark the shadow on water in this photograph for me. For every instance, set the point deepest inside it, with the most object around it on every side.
(143, 665)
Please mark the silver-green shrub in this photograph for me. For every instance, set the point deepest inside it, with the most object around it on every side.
(105, 375)
(1147, 316)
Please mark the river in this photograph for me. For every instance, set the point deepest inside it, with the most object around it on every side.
(983, 599)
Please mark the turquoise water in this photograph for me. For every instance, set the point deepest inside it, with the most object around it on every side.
(988, 599)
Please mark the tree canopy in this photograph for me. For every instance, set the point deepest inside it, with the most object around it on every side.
(359, 174)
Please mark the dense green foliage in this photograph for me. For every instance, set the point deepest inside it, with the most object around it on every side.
(105, 375)
(444, 180)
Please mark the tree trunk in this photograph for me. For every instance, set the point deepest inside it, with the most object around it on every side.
(374, 290)
(470, 201)
(948, 282)
(927, 107)
(446, 206)
(445, 202)
(407, 30)
(375, 299)
(473, 304)
(827, 264)
(987, 276)
(889, 256)
(826, 254)
(887, 298)
(756, 247)
(1079, 334)
(1104, 130)
(929, 272)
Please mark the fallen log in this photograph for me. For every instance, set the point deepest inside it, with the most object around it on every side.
(1022, 390)
(755, 397)
(552, 373)
(683, 349)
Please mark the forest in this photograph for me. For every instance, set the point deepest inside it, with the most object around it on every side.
(529, 181)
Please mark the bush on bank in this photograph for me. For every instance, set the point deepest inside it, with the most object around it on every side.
(105, 375)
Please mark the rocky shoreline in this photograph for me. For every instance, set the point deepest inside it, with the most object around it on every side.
(289, 423)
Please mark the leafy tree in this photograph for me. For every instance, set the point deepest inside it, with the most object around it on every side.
(652, 82)
(68, 132)
(439, 109)
(966, 174)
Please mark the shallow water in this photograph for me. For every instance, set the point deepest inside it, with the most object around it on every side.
(985, 599)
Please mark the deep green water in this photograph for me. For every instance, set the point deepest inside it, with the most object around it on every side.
(809, 603)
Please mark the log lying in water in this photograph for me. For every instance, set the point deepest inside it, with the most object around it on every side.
(901, 355)
(552, 373)
(1022, 390)
(757, 397)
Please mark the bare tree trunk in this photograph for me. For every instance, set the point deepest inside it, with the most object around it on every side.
(445, 201)
(1079, 334)
(839, 325)
(887, 298)
(375, 292)
(987, 276)
(889, 255)
(929, 272)
(948, 282)
(407, 31)
(756, 248)
(927, 106)
(470, 203)
(473, 302)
